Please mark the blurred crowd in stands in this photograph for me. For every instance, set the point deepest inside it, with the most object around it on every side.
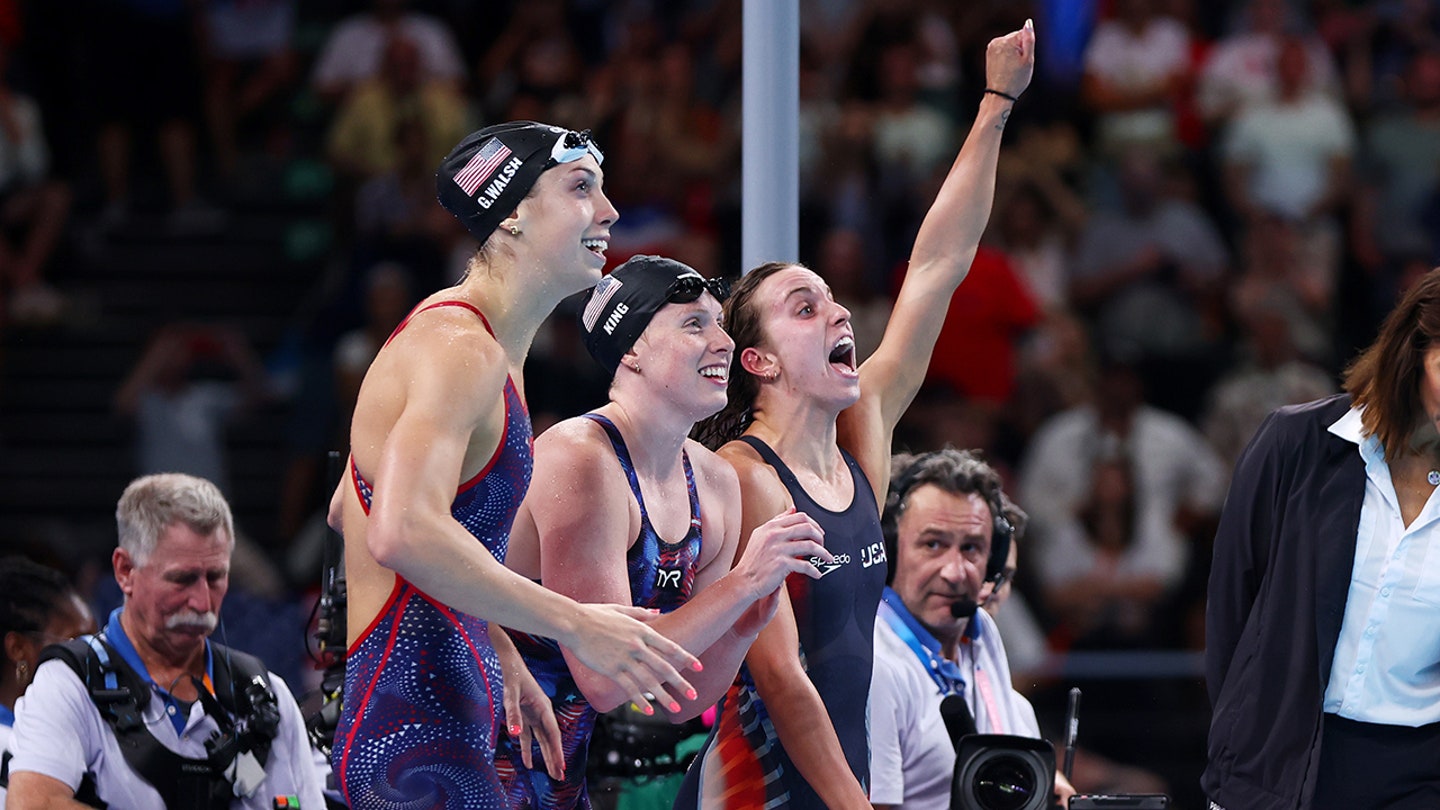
(1203, 208)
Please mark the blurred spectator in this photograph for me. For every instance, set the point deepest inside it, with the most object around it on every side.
(685, 145)
(819, 115)
(389, 295)
(38, 607)
(354, 52)
(1038, 216)
(1147, 274)
(180, 408)
(911, 139)
(989, 314)
(1027, 650)
(1290, 156)
(1271, 374)
(1380, 41)
(362, 140)
(926, 28)
(396, 218)
(146, 76)
(1135, 67)
(251, 66)
(1401, 168)
(190, 385)
(1057, 372)
(534, 56)
(1157, 461)
(1243, 66)
(34, 209)
(1105, 570)
(1279, 269)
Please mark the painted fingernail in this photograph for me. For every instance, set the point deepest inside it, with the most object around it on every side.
(515, 730)
(1029, 23)
(699, 667)
(691, 693)
(674, 707)
(649, 710)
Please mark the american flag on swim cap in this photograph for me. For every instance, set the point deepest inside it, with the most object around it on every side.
(607, 287)
(481, 166)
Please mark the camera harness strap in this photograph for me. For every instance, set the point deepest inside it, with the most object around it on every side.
(242, 690)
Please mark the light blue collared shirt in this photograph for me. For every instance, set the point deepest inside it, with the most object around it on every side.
(1387, 659)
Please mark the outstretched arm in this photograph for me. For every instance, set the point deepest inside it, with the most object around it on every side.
(939, 261)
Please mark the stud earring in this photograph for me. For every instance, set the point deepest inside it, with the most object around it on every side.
(22, 671)
(514, 230)
(635, 366)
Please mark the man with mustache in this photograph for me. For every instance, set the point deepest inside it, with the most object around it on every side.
(180, 721)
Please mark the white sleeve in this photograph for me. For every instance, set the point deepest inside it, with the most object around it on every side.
(54, 720)
(888, 716)
(294, 772)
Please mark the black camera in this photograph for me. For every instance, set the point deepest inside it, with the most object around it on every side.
(1003, 772)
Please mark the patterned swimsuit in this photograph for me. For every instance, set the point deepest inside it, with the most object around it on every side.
(422, 683)
(661, 576)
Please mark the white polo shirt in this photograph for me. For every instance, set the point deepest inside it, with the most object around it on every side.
(911, 758)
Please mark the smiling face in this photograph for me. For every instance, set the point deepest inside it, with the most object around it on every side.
(565, 223)
(172, 601)
(808, 339)
(685, 352)
(942, 545)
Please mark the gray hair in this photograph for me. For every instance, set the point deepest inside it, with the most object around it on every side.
(153, 503)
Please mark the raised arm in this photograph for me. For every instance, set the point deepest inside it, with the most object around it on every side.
(940, 259)
(799, 715)
(456, 394)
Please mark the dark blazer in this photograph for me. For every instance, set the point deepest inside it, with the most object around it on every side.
(1284, 551)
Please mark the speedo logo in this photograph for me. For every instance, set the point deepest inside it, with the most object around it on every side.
(826, 567)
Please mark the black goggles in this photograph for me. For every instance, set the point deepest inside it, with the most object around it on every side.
(688, 288)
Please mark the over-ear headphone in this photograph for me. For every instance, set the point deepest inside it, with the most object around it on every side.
(906, 478)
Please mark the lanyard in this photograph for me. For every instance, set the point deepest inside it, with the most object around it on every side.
(944, 672)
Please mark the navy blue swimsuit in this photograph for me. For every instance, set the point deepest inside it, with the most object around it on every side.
(661, 576)
(743, 764)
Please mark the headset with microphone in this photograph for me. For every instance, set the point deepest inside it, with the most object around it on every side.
(986, 484)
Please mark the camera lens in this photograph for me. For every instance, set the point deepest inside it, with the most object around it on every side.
(1004, 783)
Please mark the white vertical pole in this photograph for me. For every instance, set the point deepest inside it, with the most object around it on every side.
(770, 162)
